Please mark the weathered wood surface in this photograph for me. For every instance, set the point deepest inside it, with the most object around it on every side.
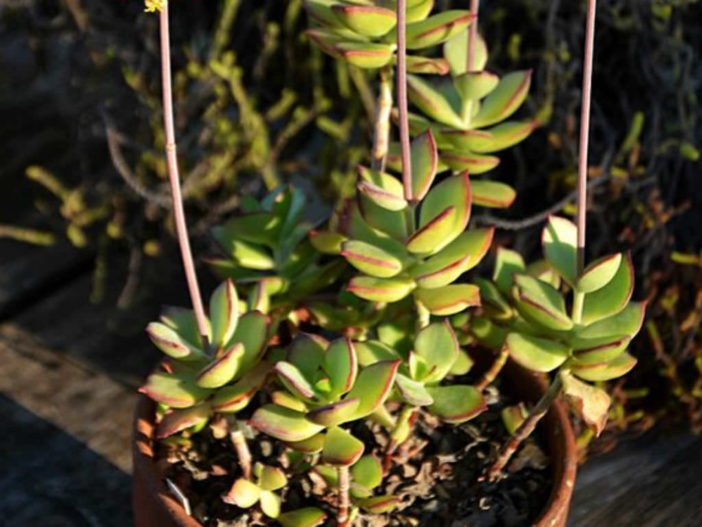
(69, 369)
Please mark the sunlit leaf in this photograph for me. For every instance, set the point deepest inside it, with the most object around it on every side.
(307, 517)
(371, 21)
(222, 370)
(341, 365)
(613, 297)
(450, 299)
(371, 260)
(590, 403)
(618, 367)
(171, 343)
(541, 303)
(424, 162)
(283, 423)
(559, 239)
(373, 386)
(341, 448)
(179, 420)
(536, 354)
(456, 403)
(172, 390)
(381, 289)
(413, 392)
(437, 28)
(599, 273)
(437, 346)
(504, 100)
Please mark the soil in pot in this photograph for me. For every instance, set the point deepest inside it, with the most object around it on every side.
(435, 474)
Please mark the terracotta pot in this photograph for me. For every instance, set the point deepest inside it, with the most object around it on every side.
(155, 507)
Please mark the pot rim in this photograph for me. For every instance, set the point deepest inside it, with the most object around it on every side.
(559, 432)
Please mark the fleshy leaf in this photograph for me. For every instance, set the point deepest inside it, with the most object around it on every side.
(335, 413)
(541, 303)
(618, 367)
(252, 332)
(488, 334)
(504, 100)
(450, 299)
(171, 390)
(341, 364)
(307, 353)
(427, 65)
(507, 263)
(384, 189)
(460, 161)
(474, 85)
(243, 494)
(461, 255)
(271, 478)
(437, 346)
(596, 351)
(311, 445)
(295, 381)
(492, 194)
(327, 242)
(456, 403)
(372, 351)
(184, 323)
(288, 400)
(493, 301)
(307, 517)
(626, 322)
(381, 289)
(437, 28)
(379, 504)
(599, 273)
(413, 391)
(222, 370)
(373, 386)
(559, 239)
(283, 423)
(424, 162)
(589, 402)
(371, 21)
(250, 256)
(462, 365)
(536, 354)
(231, 399)
(433, 102)
(367, 472)
(224, 313)
(513, 417)
(364, 54)
(321, 11)
(371, 260)
(341, 448)
(489, 140)
(270, 503)
(171, 343)
(613, 297)
(179, 420)
(456, 52)
(381, 197)
(432, 234)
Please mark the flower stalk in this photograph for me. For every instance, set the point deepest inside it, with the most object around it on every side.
(173, 174)
(402, 98)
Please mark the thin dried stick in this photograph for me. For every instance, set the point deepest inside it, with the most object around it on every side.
(343, 504)
(381, 133)
(402, 98)
(174, 178)
(242, 451)
(495, 368)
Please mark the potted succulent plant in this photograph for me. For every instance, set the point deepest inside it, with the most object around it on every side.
(348, 375)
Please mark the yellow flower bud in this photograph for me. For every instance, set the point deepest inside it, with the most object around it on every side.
(154, 5)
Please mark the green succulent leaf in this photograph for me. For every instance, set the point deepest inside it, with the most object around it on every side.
(364, 54)
(243, 494)
(413, 392)
(597, 351)
(540, 302)
(461, 255)
(381, 289)
(450, 299)
(252, 333)
(493, 301)
(474, 85)
(371, 21)
(507, 263)
(250, 256)
(590, 403)
(430, 236)
(371, 260)
(456, 403)
(236, 397)
(373, 386)
(283, 423)
(270, 478)
(599, 273)
(488, 334)
(178, 420)
(513, 417)
(295, 381)
(307, 353)
(559, 239)
(307, 517)
(613, 297)
(535, 353)
(367, 472)
(619, 366)
(437, 28)
(462, 365)
(459, 161)
(456, 52)
(390, 222)
(427, 65)
(504, 100)
(341, 364)
(260, 228)
(341, 448)
(381, 197)
(433, 102)
(270, 503)
(491, 140)
(184, 323)
(453, 191)
(327, 242)
(312, 445)
(379, 504)
(334, 414)
(171, 343)
(321, 11)
(173, 390)
(372, 351)
(492, 194)
(221, 370)
(627, 322)
(424, 163)
(387, 184)
(288, 400)
(543, 271)
(438, 348)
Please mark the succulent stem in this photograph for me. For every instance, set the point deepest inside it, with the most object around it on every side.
(174, 177)
(585, 130)
(242, 451)
(491, 374)
(525, 430)
(472, 35)
(343, 503)
(402, 98)
(381, 132)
